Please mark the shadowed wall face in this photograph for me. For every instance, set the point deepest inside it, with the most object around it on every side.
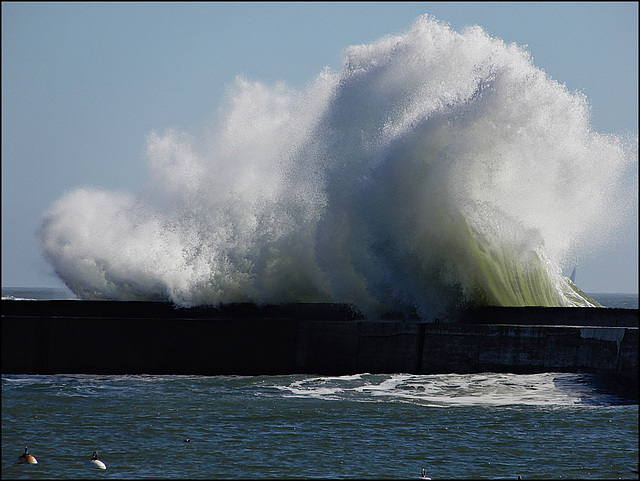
(216, 342)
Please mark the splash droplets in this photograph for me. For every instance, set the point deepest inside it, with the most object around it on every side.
(437, 168)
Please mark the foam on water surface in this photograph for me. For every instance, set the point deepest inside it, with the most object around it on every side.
(450, 390)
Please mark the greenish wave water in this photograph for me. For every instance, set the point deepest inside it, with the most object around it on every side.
(406, 181)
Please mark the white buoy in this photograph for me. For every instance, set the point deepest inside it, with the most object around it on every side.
(26, 458)
(95, 463)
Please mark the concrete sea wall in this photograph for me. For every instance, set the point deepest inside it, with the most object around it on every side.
(86, 337)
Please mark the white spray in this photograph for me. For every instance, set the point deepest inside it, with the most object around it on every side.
(437, 168)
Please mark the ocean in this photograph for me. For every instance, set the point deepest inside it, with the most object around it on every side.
(391, 426)
(434, 169)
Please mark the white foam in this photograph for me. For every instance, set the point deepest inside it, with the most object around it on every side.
(449, 390)
(436, 166)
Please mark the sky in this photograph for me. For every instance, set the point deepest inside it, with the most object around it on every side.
(83, 84)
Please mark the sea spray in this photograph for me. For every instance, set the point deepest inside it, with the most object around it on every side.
(437, 169)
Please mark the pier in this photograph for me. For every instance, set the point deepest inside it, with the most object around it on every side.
(105, 337)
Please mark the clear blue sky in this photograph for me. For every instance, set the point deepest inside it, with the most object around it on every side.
(83, 84)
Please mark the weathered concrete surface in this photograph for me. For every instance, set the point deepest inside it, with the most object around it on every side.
(554, 316)
(41, 345)
(49, 337)
(142, 309)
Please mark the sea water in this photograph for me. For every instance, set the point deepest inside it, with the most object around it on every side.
(435, 169)
(479, 426)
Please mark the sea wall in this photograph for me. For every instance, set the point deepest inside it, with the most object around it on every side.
(83, 337)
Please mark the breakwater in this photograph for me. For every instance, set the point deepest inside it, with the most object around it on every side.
(102, 337)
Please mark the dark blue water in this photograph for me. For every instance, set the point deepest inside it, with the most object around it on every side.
(624, 301)
(364, 426)
(480, 426)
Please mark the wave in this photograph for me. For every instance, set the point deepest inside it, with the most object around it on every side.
(455, 390)
(437, 169)
(432, 390)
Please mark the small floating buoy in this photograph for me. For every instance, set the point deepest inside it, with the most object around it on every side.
(27, 458)
(187, 440)
(95, 463)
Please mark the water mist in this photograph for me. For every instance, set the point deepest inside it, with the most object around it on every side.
(436, 169)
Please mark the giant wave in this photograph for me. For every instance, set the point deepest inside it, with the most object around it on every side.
(437, 169)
